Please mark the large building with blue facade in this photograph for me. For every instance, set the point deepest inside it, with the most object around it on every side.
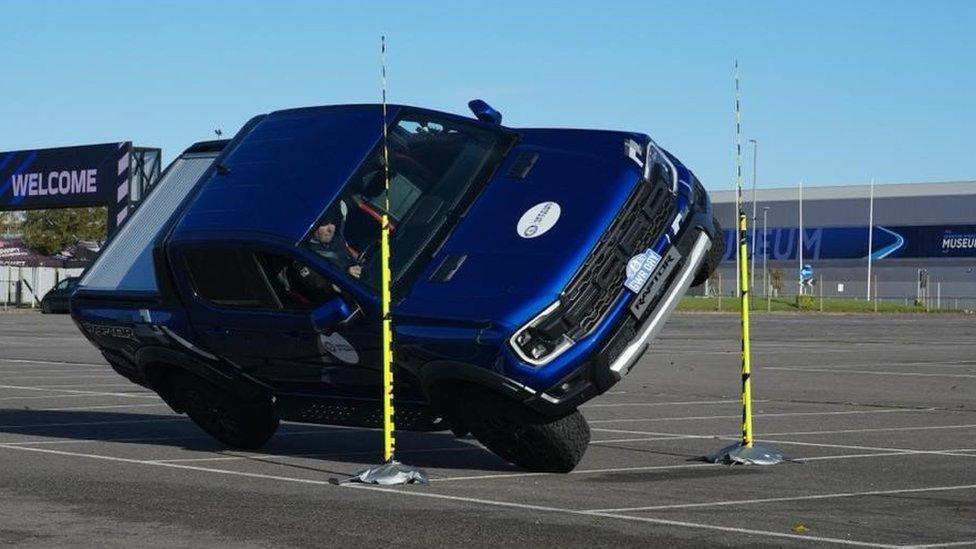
(921, 231)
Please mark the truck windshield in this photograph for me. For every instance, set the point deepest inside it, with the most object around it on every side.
(437, 165)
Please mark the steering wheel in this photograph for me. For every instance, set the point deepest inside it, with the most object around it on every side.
(367, 252)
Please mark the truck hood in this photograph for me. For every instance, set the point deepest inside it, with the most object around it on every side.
(524, 238)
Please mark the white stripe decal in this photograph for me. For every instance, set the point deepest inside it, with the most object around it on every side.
(123, 164)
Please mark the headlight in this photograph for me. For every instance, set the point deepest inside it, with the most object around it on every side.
(657, 158)
(542, 339)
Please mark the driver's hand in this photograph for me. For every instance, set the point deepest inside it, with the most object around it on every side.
(356, 271)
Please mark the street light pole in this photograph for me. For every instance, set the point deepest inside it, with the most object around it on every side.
(752, 243)
(870, 235)
(799, 254)
(765, 253)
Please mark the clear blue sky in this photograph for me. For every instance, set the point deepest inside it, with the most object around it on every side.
(836, 92)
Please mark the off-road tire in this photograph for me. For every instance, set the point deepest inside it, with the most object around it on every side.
(714, 257)
(525, 438)
(238, 423)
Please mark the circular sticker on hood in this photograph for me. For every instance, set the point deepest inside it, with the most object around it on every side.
(538, 219)
(339, 347)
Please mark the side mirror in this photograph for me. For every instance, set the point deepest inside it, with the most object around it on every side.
(485, 112)
(331, 314)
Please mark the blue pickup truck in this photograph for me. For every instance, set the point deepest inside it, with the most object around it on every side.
(531, 269)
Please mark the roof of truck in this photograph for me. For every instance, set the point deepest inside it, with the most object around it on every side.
(281, 173)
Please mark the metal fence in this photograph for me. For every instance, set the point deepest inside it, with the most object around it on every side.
(25, 286)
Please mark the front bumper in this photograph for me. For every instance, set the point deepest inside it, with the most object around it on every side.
(631, 337)
(665, 306)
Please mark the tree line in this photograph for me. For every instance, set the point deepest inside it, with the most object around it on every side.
(50, 231)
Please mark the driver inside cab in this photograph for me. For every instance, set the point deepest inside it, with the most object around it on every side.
(327, 243)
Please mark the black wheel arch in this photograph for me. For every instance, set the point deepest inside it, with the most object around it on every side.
(440, 373)
(157, 366)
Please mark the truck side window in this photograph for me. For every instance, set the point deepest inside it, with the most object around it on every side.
(229, 278)
(295, 283)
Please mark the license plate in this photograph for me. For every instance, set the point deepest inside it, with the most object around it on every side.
(640, 268)
(655, 282)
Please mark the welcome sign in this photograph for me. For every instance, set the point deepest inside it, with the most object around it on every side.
(67, 177)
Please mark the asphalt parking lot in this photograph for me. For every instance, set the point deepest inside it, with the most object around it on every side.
(879, 414)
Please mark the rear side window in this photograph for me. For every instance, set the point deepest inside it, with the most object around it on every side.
(126, 264)
(229, 278)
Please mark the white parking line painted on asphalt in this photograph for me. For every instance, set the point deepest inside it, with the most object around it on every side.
(940, 545)
(493, 476)
(857, 447)
(89, 385)
(100, 407)
(272, 458)
(656, 433)
(72, 391)
(836, 495)
(19, 369)
(90, 423)
(788, 433)
(692, 351)
(19, 378)
(696, 465)
(936, 364)
(874, 429)
(914, 453)
(56, 362)
(646, 439)
(149, 439)
(684, 403)
(796, 443)
(775, 414)
(494, 503)
(866, 372)
(58, 396)
(14, 338)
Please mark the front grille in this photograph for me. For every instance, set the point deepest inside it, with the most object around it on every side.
(641, 221)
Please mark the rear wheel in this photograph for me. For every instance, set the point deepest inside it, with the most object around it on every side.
(714, 257)
(239, 423)
(523, 437)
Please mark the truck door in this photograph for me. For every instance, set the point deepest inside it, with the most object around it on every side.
(247, 309)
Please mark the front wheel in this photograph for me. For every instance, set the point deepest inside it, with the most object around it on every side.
(236, 422)
(525, 438)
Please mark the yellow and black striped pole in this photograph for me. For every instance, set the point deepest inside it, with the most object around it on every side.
(389, 441)
(745, 451)
(746, 351)
(392, 471)
(743, 274)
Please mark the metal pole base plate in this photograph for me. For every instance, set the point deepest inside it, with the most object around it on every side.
(740, 454)
(391, 473)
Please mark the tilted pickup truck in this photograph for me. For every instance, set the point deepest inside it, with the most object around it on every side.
(531, 269)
